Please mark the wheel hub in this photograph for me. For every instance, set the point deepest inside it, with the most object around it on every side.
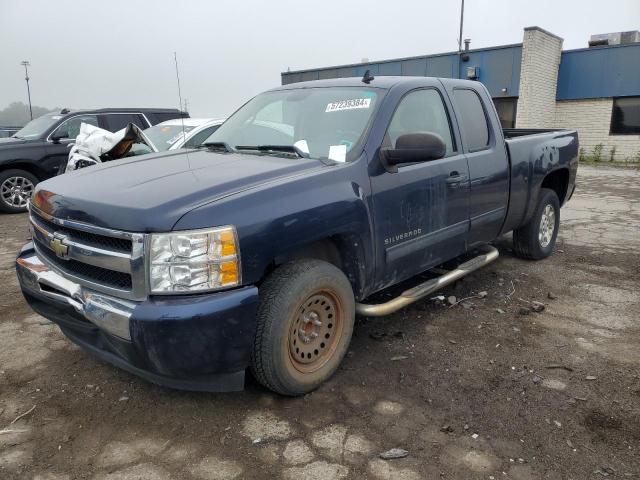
(315, 331)
(547, 226)
(308, 331)
(16, 191)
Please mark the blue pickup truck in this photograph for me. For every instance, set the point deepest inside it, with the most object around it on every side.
(257, 250)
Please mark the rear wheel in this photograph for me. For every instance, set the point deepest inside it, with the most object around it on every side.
(537, 239)
(305, 322)
(16, 188)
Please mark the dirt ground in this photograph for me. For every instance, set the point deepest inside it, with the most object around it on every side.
(478, 390)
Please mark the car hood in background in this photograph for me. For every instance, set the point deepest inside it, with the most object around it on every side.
(151, 193)
(11, 141)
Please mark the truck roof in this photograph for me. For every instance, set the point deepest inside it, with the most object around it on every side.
(65, 111)
(378, 82)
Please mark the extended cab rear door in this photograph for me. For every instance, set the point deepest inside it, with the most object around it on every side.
(421, 211)
(484, 147)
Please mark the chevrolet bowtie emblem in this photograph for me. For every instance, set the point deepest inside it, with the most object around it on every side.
(58, 246)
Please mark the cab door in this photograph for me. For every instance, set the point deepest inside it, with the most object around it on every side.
(421, 212)
(486, 154)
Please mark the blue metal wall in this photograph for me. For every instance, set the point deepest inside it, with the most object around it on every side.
(599, 72)
(499, 68)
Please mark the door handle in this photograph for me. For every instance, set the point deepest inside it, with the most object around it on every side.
(455, 178)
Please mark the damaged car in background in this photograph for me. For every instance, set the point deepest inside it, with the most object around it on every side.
(94, 145)
(40, 149)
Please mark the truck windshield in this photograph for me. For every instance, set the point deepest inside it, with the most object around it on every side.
(325, 123)
(36, 128)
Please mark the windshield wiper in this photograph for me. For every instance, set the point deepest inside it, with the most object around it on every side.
(217, 146)
(275, 148)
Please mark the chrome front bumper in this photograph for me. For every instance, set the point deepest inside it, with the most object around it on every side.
(106, 312)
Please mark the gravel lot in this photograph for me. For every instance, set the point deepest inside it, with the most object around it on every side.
(484, 389)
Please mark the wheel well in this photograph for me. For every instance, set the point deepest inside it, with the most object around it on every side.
(28, 167)
(558, 181)
(343, 251)
(324, 249)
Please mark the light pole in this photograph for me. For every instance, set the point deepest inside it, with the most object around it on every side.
(461, 22)
(26, 77)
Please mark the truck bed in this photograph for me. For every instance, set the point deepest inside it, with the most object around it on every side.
(533, 154)
(521, 132)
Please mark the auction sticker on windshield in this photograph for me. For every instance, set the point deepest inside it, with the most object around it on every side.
(348, 104)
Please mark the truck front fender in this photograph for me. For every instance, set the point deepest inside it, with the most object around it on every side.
(308, 216)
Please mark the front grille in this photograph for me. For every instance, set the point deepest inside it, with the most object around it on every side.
(101, 259)
(88, 272)
(100, 241)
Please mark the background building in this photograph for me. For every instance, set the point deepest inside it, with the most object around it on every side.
(534, 84)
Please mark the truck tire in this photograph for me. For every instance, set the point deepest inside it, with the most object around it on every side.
(537, 239)
(304, 325)
(16, 187)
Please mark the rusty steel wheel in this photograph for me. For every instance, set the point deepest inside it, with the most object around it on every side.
(316, 331)
(304, 325)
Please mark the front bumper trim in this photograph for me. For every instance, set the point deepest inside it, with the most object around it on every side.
(196, 342)
(106, 312)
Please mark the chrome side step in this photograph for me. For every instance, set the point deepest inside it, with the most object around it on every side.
(420, 291)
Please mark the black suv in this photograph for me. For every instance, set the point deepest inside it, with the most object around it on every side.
(41, 148)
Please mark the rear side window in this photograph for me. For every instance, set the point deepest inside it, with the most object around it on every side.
(159, 117)
(472, 119)
(117, 121)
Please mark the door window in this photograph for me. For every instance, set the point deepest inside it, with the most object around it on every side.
(473, 121)
(421, 111)
(71, 128)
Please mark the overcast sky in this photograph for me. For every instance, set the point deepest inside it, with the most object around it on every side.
(121, 52)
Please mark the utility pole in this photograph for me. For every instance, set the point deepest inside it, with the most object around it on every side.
(461, 22)
(26, 77)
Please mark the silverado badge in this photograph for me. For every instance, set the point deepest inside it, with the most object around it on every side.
(58, 246)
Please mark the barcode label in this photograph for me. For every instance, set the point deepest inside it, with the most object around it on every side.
(348, 104)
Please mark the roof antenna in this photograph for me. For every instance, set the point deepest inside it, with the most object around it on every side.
(367, 77)
(175, 58)
(184, 136)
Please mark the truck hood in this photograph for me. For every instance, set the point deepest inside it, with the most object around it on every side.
(151, 193)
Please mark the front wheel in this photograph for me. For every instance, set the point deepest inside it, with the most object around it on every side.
(537, 239)
(16, 188)
(304, 325)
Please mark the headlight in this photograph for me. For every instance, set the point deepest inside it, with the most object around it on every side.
(193, 261)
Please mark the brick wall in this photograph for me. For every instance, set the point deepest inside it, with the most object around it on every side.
(592, 119)
(541, 52)
(537, 106)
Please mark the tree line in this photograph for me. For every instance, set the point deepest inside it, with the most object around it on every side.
(17, 114)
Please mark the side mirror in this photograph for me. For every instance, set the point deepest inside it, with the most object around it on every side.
(58, 135)
(414, 147)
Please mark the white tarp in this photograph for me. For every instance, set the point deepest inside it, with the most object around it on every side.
(94, 145)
